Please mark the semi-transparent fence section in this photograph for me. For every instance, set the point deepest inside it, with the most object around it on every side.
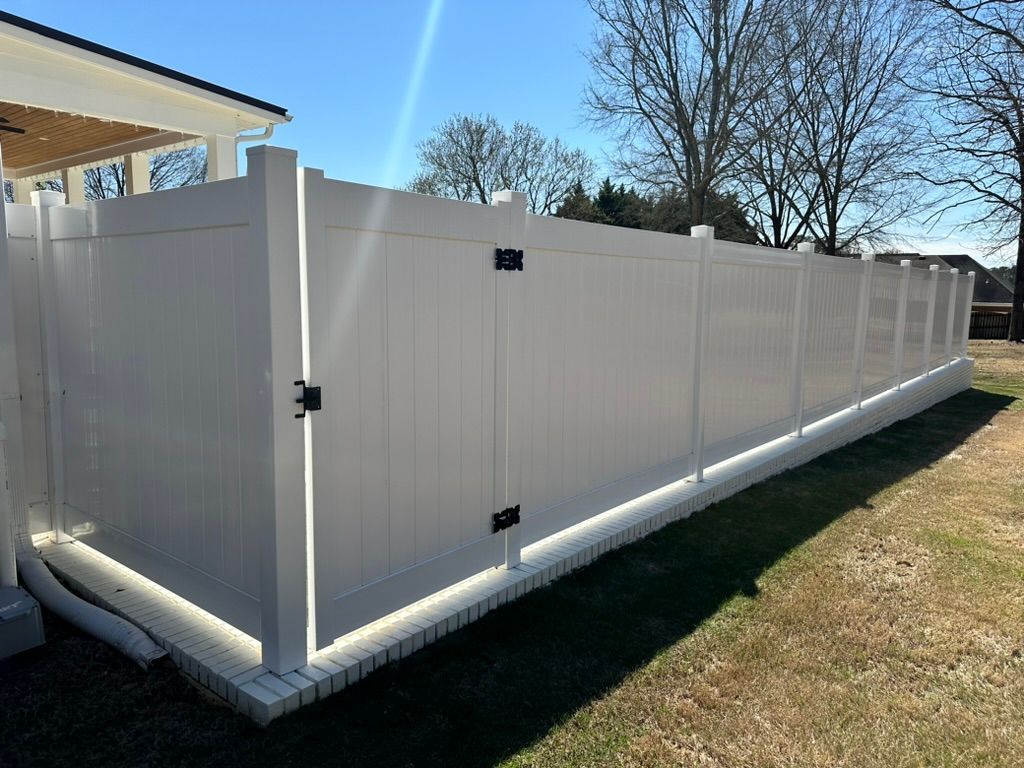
(749, 359)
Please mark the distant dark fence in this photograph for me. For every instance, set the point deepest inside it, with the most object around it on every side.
(990, 325)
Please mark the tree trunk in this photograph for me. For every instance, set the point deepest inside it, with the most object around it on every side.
(1017, 314)
(698, 199)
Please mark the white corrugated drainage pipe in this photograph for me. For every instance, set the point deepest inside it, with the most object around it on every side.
(111, 629)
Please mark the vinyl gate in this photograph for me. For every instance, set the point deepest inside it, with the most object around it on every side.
(404, 341)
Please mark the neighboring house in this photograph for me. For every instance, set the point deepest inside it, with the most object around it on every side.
(990, 309)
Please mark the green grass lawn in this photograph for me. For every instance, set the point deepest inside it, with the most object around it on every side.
(866, 609)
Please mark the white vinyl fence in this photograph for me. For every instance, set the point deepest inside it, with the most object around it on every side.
(27, 428)
(487, 378)
(166, 360)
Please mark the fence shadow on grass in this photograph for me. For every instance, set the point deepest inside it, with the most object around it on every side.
(497, 686)
(502, 683)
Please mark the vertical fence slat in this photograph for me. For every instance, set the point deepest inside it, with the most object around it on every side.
(702, 321)
(933, 287)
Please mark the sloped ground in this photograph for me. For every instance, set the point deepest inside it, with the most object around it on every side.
(866, 609)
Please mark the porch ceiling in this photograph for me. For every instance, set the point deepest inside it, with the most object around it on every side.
(55, 136)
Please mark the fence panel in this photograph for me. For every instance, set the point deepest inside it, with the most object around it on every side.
(602, 390)
(402, 340)
(749, 360)
(917, 319)
(831, 331)
(938, 348)
(163, 321)
(880, 342)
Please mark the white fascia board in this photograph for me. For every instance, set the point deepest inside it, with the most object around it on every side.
(48, 74)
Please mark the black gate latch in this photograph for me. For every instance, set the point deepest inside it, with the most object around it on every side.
(310, 400)
(506, 518)
(508, 259)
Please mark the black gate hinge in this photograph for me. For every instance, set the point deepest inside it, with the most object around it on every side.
(310, 400)
(506, 518)
(508, 259)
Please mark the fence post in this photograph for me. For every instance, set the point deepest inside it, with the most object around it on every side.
(312, 244)
(508, 294)
(929, 323)
(274, 238)
(949, 314)
(860, 340)
(706, 235)
(10, 388)
(43, 201)
(803, 292)
(901, 322)
(968, 303)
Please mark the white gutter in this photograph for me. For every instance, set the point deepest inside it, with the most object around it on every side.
(265, 135)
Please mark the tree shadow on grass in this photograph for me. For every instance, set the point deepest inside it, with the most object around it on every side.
(489, 690)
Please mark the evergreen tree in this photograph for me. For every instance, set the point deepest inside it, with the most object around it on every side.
(578, 205)
(619, 206)
(668, 211)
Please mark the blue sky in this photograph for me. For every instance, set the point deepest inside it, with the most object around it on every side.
(347, 70)
(367, 79)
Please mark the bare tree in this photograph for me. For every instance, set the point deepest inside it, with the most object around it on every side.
(976, 77)
(675, 79)
(181, 168)
(774, 180)
(859, 141)
(468, 157)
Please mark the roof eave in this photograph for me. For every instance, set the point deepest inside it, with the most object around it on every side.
(257, 111)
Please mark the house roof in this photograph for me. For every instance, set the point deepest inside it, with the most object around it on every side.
(138, 63)
(988, 289)
(67, 102)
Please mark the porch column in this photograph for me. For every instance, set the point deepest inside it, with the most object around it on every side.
(221, 158)
(73, 180)
(23, 191)
(136, 173)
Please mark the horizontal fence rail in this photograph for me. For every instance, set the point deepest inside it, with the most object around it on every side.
(303, 404)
